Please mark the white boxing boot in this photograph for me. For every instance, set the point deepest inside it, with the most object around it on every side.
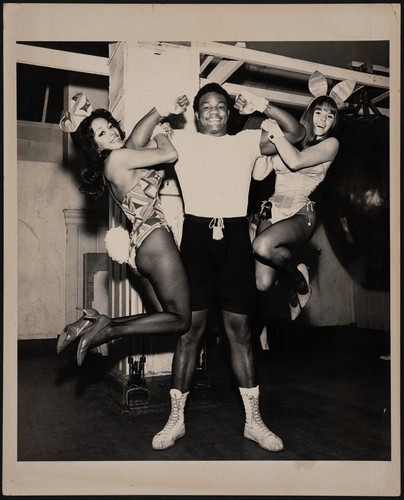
(175, 426)
(254, 428)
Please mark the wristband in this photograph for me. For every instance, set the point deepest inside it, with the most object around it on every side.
(275, 133)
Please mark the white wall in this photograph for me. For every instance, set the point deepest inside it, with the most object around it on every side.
(46, 186)
(332, 300)
(41, 249)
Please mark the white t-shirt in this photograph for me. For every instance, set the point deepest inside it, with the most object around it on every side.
(215, 172)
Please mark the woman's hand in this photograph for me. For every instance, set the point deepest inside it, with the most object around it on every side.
(163, 128)
(274, 131)
(141, 133)
(167, 130)
(323, 152)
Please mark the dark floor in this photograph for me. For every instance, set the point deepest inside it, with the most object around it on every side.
(324, 391)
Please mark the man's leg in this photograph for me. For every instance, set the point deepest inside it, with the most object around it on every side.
(184, 364)
(187, 351)
(239, 334)
(196, 237)
(238, 331)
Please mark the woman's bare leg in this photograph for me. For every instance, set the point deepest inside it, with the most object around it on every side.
(273, 245)
(159, 261)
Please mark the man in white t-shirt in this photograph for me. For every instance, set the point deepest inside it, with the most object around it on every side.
(214, 172)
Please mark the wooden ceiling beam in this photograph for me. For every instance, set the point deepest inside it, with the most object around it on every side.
(277, 97)
(380, 97)
(289, 64)
(375, 67)
(223, 71)
(205, 64)
(61, 59)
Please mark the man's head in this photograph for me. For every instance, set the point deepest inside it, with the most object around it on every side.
(212, 109)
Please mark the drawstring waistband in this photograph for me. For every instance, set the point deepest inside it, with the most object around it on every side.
(217, 225)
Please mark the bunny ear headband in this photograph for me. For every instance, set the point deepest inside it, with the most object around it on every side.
(318, 86)
(80, 108)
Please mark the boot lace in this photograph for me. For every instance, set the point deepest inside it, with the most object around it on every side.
(256, 417)
(174, 417)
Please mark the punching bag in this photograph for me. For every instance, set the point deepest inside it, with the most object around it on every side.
(355, 202)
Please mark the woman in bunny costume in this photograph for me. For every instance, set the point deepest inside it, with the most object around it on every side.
(128, 172)
(288, 217)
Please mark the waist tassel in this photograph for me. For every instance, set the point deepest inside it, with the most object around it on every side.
(310, 208)
(266, 210)
(217, 226)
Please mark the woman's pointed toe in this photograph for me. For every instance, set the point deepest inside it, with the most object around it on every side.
(294, 311)
(75, 330)
(86, 339)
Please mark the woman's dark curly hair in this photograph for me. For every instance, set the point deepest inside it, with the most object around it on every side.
(93, 170)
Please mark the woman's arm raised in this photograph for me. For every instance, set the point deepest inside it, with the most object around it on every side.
(292, 129)
(140, 135)
(247, 103)
(143, 158)
(322, 152)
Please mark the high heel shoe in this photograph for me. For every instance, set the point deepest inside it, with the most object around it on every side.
(85, 341)
(294, 305)
(294, 310)
(304, 297)
(74, 330)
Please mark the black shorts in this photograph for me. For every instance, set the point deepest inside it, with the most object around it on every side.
(221, 271)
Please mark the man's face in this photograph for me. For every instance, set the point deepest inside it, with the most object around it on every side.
(212, 114)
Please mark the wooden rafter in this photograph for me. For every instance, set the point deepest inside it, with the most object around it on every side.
(279, 97)
(224, 69)
(236, 56)
(380, 97)
(375, 67)
(205, 64)
(289, 65)
(61, 59)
